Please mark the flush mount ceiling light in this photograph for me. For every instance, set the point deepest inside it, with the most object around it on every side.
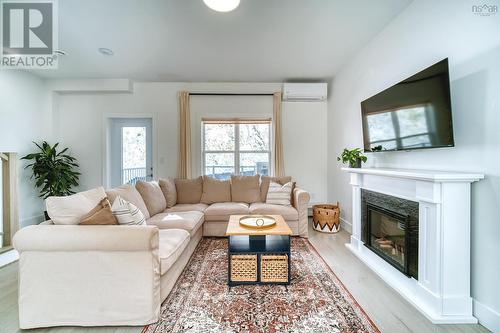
(222, 5)
(105, 51)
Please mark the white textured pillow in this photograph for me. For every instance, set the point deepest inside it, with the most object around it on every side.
(70, 209)
(279, 194)
(127, 213)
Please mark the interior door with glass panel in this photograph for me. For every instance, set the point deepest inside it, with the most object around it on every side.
(130, 150)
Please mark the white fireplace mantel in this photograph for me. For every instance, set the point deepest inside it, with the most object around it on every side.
(442, 292)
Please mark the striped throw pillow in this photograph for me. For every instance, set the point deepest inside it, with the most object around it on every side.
(279, 194)
(127, 213)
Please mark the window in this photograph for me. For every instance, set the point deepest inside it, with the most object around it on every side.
(133, 154)
(240, 147)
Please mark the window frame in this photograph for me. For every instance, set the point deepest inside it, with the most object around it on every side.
(237, 151)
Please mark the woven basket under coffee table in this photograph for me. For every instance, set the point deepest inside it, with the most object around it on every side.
(326, 218)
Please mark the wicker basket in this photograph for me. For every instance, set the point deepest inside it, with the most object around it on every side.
(274, 268)
(244, 267)
(326, 218)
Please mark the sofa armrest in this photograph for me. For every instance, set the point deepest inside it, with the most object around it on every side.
(69, 238)
(300, 201)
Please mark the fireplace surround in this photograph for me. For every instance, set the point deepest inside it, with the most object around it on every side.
(441, 288)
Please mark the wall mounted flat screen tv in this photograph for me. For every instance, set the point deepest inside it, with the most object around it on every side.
(413, 114)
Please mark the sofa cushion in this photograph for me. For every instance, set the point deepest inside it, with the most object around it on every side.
(199, 207)
(266, 180)
(215, 190)
(169, 191)
(127, 213)
(100, 215)
(189, 221)
(189, 190)
(288, 212)
(172, 243)
(129, 193)
(222, 210)
(153, 196)
(279, 194)
(70, 209)
(245, 189)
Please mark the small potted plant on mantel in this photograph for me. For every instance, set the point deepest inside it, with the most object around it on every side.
(352, 156)
(54, 172)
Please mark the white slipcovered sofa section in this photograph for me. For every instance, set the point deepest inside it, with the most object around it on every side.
(107, 275)
(98, 275)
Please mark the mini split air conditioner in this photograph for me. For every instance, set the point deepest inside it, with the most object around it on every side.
(312, 92)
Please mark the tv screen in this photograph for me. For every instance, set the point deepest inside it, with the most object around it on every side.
(413, 114)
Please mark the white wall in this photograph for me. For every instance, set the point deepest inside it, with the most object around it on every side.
(424, 33)
(25, 116)
(79, 124)
(305, 138)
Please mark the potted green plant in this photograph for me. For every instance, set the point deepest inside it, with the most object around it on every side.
(54, 172)
(352, 156)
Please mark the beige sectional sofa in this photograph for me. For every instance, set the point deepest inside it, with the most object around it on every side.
(73, 275)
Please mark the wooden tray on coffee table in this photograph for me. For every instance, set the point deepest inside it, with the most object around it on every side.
(234, 228)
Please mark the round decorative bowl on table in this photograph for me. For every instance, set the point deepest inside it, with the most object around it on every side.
(257, 221)
(326, 218)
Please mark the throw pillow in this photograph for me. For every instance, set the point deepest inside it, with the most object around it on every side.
(127, 213)
(189, 190)
(169, 192)
(215, 190)
(153, 196)
(264, 185)
(70, 209)
(100, 215)
(245, 189)
(279, 194)
(129, 193)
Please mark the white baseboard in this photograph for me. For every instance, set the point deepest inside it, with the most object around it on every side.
(346, 225)
(487, 317)
(8, 257)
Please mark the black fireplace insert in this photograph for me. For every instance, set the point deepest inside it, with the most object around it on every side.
(390, 230)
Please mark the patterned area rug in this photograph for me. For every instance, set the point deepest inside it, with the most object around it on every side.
(315, 301)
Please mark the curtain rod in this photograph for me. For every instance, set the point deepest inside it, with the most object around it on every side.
(229, 94)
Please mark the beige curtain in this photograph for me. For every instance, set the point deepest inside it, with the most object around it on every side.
(184, 170)
(278, 145)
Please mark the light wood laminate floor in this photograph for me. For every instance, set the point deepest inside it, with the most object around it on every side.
(390, 312)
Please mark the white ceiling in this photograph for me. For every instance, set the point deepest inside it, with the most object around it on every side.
(183, 40)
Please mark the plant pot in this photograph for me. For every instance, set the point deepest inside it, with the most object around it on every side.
(356, 164)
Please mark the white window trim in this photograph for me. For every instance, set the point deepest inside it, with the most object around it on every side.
(236, 150)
